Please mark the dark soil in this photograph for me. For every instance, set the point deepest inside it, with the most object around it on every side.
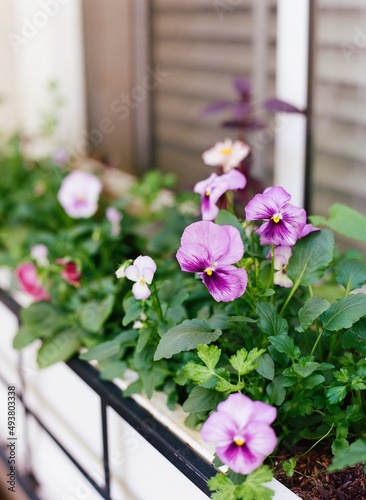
(311, 481)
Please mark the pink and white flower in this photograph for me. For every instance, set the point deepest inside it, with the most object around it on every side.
(79, 194)
(227, 154)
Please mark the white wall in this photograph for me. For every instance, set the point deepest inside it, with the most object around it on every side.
(40, 42)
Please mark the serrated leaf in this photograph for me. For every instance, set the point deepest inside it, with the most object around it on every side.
(344, 220)
(311, 256)
(355, 454)
(225, 488)
(344, 312)
(210, 355)
(253, 487)
(198, 373)
(310, 311)
(351, 274)
(285, 344)
(201, 399)
(93, 314)
(225, 386)
(269, 321)
(336, 394)
(60, 347)
(185, 337)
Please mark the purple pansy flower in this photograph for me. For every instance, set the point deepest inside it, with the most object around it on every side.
(210, 250)
(214, 187)
(241, 430)
(142, 272)
(79, 194)
(284, 222)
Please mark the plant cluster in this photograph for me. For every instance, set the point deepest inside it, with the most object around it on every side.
(249, 316)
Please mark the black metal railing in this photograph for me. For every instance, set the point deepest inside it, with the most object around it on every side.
(181, 455)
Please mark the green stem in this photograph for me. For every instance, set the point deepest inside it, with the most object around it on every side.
(317, 442)
(289, 297)
(316, 342)
(157, 303)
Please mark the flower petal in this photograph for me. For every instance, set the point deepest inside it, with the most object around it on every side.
(239, 459)
(144, 261)
(226, 284)
(140, 290)
(132, 273)
(264, 206)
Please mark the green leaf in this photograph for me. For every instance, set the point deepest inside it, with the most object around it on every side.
(269, 321)
(210, 355)
(285, 344)
(110, 348)
(276, 390)
(39, 320)
(313, 380)
(311, 256)
(60, 347)
(133, 309)
(344, 220)
(344, 313)
(243, 361)
(201, 399)
(185, 337)
(25, 336)
(336, 394)
(304, 369)
(223, 385)
(253, 487)
(226, 218)
(289, 466)
(355, 338)
(224, 487)
(310, 311)
(198, 373)
(351, 274)
(113, 370)
(355, 454)
(266, 366)
(93, 314)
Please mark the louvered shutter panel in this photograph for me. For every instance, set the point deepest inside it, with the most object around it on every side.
(202, 45)
(340, 105)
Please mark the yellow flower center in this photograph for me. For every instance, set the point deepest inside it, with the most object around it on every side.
(210, 269)
(207, 193)
(239, 440)
(226, 151)
(276, 218)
